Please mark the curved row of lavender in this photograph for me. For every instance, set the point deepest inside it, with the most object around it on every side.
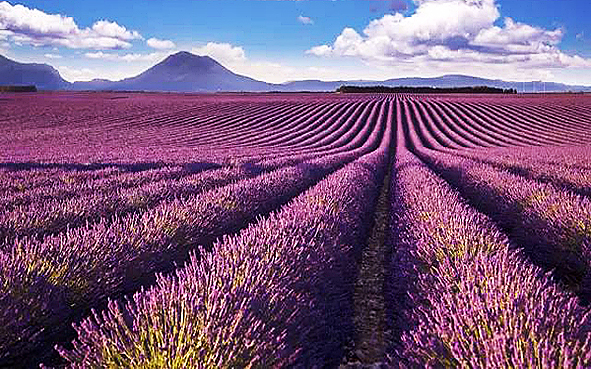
(566, 168)
(52, 217)
(277, 294)
(540, 214)
(548, 219)
(141, 181)
(463, 296)
(121, 128)
(51, 281)
(553, 225)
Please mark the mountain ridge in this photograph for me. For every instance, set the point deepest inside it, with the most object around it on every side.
(43, 76)
(186, 72)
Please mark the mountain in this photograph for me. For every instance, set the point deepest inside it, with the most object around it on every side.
(185, 72)
(182, 72)
(43, 76)
(311, 85)
(447, 81)
(457, 80)
(95, 84)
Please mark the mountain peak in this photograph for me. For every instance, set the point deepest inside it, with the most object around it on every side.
(187, 72)
(186, 54)
(186, 59)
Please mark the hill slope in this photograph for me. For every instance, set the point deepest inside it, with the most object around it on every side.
(182, 72)
(44, 76)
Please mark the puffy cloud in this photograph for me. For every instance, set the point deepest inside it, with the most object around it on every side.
(322, 50)
(222, 52)
(52, 56)
(436, 21)
(160, 44)
(523, 36)
(454, 32)
(101, 55)
(112, 29)
(35, 27)
(305, 20)
(76, 74)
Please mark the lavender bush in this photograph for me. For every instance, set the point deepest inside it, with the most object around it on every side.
(473, 300)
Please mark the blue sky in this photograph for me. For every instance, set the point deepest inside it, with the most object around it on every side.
(280, 40)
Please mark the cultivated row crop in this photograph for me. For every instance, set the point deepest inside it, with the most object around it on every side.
(200, 231)
(468, 298)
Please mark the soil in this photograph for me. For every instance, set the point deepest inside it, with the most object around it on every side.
(370, 319)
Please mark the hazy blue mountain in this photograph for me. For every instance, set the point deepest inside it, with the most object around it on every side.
(185, 72)
(452, 80)
(43, 76)
(456, 80)
(311, 85)
(95, 84)
(182, 72)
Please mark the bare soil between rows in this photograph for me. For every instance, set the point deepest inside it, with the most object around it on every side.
(371, 339)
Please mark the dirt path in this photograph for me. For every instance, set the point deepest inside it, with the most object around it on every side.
(370, 322)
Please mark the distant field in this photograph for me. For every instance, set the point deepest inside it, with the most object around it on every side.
(295, 230)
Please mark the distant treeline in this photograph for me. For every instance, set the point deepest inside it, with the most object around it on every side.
(426, 90)
(18, 89)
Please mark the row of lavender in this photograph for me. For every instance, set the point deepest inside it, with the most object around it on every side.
(538, 196)
(313, 130)
(277, 294)
(60, 262)
(551, 224)
(153, 125)
(457, 125)
(469, 297)
(51, 208)
(100, 125)
(564, 167)
(52, 281)
(462, 295)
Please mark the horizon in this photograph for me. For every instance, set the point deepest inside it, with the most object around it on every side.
(372, 40)
(330, 81)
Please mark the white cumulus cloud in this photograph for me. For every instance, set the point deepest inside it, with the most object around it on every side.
(452, 32)
(160, 44)
(111, 29)
(222, 52)
(24, 25)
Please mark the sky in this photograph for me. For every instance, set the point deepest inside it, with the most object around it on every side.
(284, 40)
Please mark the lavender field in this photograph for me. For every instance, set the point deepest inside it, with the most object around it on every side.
(153, 230)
